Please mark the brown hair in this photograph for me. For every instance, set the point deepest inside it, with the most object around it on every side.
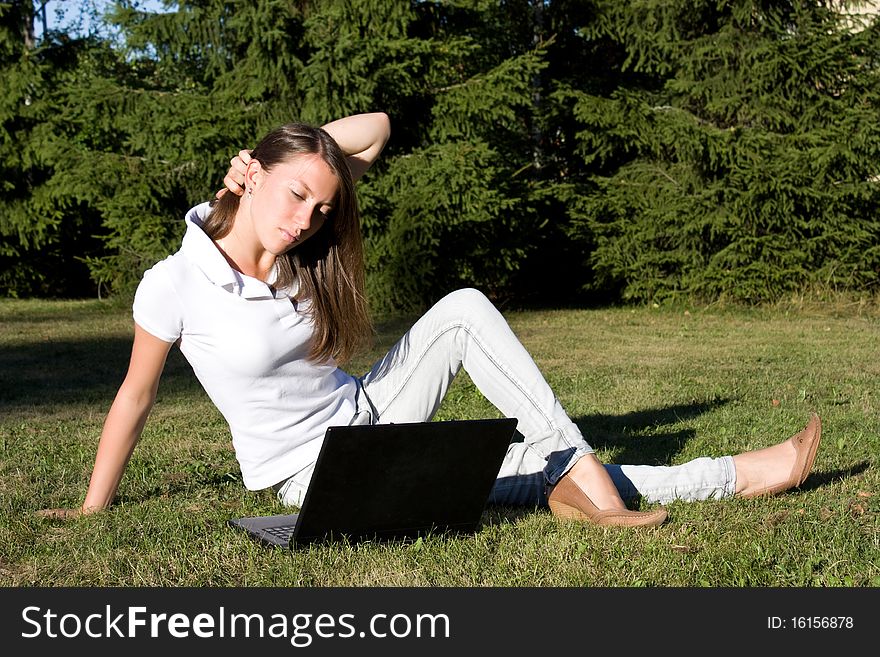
(329, 266)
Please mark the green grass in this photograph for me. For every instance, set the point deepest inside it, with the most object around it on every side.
(646, 385)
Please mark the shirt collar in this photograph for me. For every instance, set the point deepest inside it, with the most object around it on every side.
(200, 250)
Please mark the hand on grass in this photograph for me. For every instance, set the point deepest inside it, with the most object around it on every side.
(60, 514)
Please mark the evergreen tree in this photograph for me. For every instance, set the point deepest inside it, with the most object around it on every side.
(455, 205)
(737, 156)
(191, 88)
(644, 149)
(45, 232)
(448, 204)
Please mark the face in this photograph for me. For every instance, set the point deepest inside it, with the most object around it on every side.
(290, 202)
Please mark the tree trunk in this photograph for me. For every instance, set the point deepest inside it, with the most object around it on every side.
(23, 11)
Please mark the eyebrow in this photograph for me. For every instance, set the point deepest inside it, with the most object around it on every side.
(308, 189)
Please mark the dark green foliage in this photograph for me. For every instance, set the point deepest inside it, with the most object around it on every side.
(457, 210)
(742, 165)
(449, 203)
(544, 151)
(139, 134)
(198, 84)
(44, 231)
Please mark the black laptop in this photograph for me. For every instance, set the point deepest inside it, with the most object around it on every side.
(394, 481)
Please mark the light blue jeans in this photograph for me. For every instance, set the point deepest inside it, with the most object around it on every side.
(465, 330)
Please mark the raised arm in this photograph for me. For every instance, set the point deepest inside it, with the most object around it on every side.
(360, 136)
(124, 423)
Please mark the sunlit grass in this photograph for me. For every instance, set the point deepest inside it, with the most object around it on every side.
(652, 385)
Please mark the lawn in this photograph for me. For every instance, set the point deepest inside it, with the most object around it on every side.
(645, 385)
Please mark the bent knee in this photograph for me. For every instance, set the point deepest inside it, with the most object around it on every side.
(466, 297)
(466, 304)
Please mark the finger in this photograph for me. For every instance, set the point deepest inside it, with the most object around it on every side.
(245, 155)
(220, 193)
(239, 166)
(58, 514)
(233, 185)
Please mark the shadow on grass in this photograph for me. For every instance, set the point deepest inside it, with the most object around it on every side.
(820, 479)
(71, 371)
(498, 514)
(626, 433)
(185, 484)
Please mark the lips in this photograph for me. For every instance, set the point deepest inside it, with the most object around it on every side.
(288, 237)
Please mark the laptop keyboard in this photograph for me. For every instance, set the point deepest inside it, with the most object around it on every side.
(284, 532)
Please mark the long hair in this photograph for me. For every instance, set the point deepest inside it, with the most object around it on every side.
(329, 266)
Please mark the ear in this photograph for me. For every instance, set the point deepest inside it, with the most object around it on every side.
(254, 175)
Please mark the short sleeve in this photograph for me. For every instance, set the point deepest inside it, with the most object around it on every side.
(156, 307)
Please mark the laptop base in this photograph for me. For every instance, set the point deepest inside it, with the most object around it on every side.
(270, 530)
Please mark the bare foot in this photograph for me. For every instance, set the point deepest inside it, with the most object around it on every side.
(592, 478)
(763, 468)
(775, 469)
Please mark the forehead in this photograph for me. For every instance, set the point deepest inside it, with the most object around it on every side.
(309, 170)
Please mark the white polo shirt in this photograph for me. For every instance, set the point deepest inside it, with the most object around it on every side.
(247, 347)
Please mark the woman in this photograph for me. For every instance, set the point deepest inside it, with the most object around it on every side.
(266, 296)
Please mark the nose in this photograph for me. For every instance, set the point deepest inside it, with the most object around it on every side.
(303, 217)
